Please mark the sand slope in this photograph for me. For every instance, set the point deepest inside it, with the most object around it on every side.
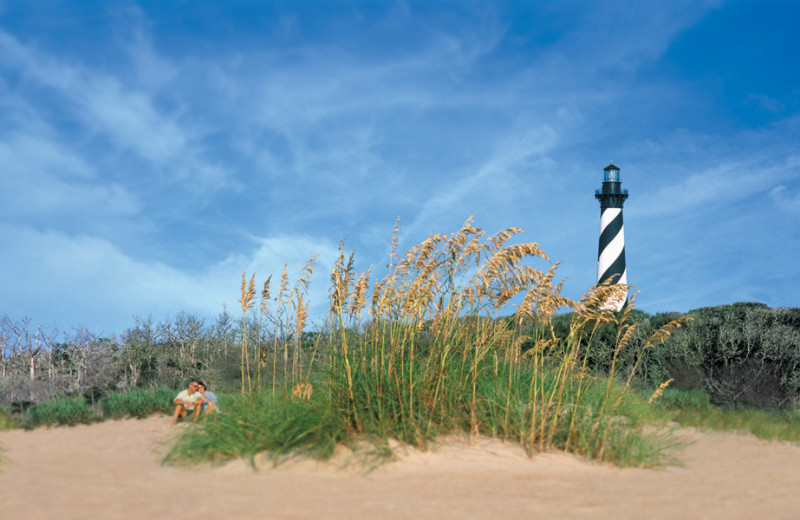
(112, 470)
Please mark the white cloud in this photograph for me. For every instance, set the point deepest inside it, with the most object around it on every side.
(73, 279)
(293, 142)
(44, 178)
(109, 106)
(717, 186)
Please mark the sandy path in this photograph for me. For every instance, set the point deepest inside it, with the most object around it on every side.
(112, 470)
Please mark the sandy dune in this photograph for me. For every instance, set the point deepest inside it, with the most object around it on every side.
(112, 470)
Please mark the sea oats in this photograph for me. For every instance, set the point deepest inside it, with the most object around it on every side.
(265, 294)
(660, 390)
(248, 293)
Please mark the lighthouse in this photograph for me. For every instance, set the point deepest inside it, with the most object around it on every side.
(611, 250)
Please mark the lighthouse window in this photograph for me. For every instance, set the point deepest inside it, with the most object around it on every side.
(612, 176)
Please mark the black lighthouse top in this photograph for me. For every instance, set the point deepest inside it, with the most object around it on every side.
(611, 195)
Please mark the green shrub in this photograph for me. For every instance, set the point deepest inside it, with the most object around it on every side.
(275, 425)
(7, 421)
(137, 403)
(66, 411)
(743, 354)
(602, 352)
(426, 354)
(694, 408)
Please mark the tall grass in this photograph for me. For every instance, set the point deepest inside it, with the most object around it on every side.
(263, 423)
(65, 411)
(7, 421)
(70, 411)
(138, 403)
(423, 352)
(694, 408)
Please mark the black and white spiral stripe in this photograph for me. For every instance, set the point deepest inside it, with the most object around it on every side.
(611, 250)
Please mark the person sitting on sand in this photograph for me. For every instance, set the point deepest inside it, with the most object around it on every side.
(209, 399)
(188, 402)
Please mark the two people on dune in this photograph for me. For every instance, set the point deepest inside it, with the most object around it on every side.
(194, 401)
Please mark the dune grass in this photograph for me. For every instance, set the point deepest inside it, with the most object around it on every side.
(262, 424)
(422, 352)
(138, 403)
(693, 408)
(65, 411)
(70, 411)
(283, 425)
(7, 421)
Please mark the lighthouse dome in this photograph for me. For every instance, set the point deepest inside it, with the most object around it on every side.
(611, 173)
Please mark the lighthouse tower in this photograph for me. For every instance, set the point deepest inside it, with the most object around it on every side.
(611, 251)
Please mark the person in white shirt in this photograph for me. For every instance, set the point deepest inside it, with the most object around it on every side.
(187, 402)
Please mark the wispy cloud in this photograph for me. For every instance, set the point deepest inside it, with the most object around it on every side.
(45, 180)
(177, 155)
(132, 120)
(92, 279)
(720, 185)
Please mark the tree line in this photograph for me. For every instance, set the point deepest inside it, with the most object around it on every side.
(741, 354)
(39, 364)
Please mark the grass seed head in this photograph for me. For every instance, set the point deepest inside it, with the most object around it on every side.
(248, 292)
(660, 390)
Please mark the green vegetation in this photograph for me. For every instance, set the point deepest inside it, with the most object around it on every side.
(694, 408)
(137, 403)
(281, 426)
(421, 353)
(7, 421)
(263, 423)
(742, 355)
(69, 411)
(66, 411)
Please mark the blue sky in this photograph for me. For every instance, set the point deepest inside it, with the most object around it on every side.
(151, 152)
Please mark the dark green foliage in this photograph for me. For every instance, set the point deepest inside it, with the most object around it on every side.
(137, 403)
(743, 354)
(66, 411)
(740, 354)
(600, 346)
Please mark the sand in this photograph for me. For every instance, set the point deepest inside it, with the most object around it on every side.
(113, 470)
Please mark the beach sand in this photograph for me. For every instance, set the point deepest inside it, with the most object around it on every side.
(112, 470)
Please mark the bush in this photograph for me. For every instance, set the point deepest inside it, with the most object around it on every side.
(694, 408)
(275, 425)
(651, 366)
(742, 354)
(7, 421)
(66, 411)
(137, 403)
(426, 355)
